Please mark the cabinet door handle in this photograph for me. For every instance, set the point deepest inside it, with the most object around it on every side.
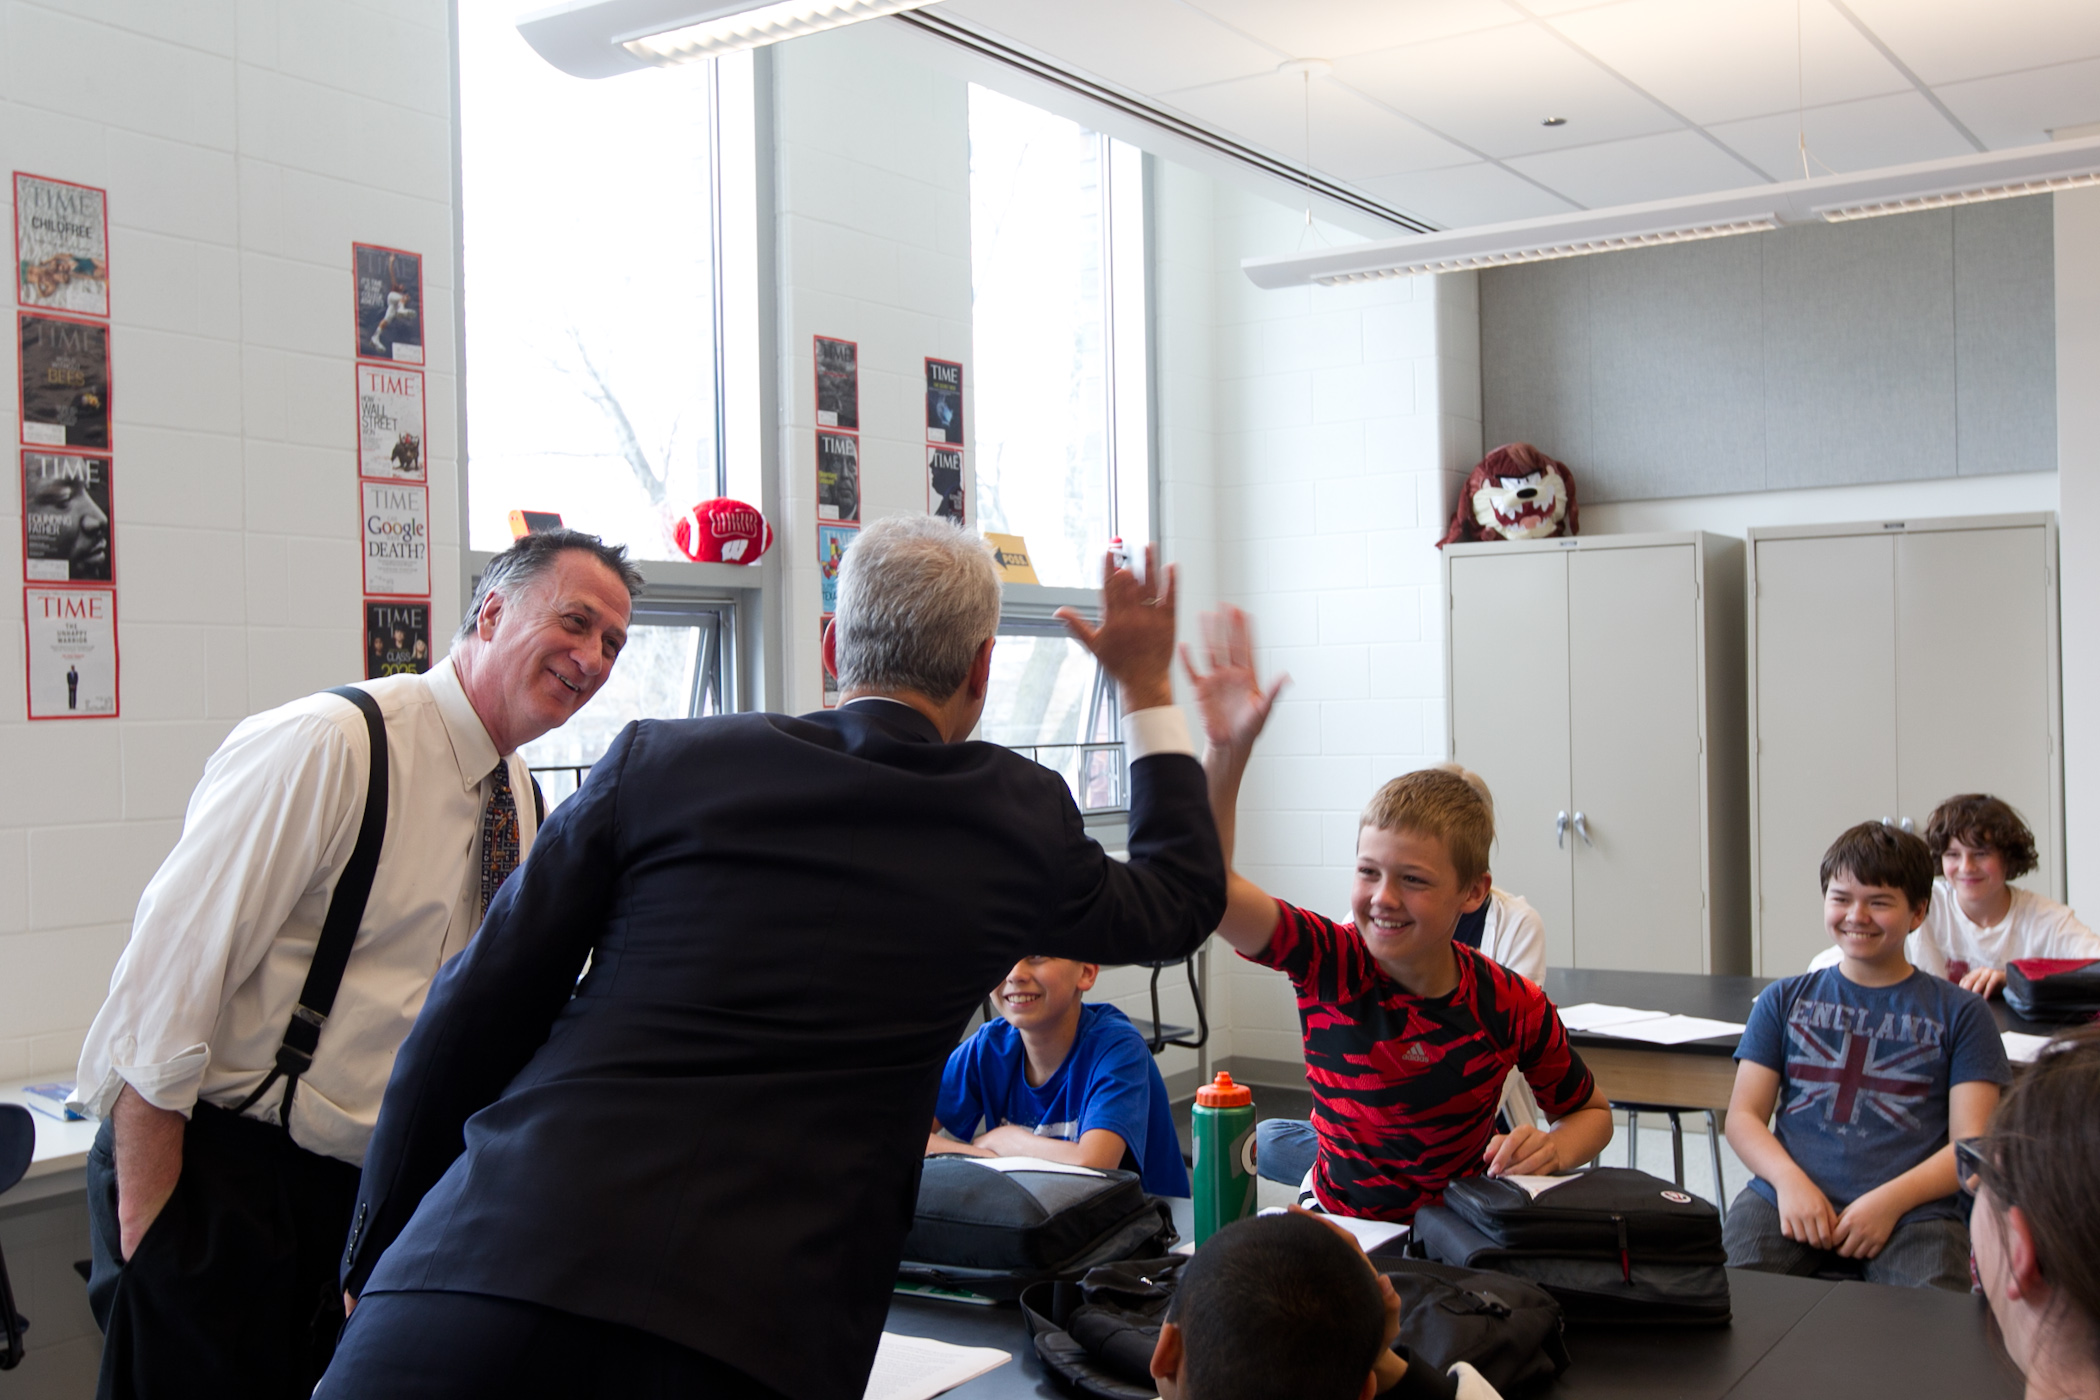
(1582, 829)
(1560, 832)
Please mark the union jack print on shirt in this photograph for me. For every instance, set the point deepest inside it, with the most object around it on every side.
(1848, 1073)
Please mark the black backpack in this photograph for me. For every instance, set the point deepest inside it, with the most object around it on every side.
(994, 1232)
(1612, 1245)
(1098, 1335)
(2053, 989)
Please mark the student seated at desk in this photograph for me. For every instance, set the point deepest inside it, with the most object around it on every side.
(1408, 1038)
(1876, 1070)
(2037, 1223)
(1979, 921)
(1284, 1307)
(1059, 1079)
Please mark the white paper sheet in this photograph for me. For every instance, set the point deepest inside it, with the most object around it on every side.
(919, 1368)
(1538, 1185)
(1033, 1164)
(1673, 1030)
(2021, 1048)
(1371, 1234)
(1596, 1016)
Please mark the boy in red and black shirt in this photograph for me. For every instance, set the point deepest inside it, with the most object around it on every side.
(1408, 1038)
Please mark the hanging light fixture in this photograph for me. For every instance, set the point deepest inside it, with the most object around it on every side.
(1896, 189)
(601, 38)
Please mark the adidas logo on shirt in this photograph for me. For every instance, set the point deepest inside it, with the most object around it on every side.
(1416, 1054)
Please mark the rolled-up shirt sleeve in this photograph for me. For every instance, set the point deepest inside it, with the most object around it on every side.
(270, 824)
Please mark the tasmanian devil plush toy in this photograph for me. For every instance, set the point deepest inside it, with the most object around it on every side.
(1516, 493)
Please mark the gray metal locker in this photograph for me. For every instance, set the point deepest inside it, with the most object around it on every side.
(1597, 684)
(1867, 706)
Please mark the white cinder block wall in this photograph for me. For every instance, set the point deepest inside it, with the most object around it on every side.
(244, 147)
(1336, 424)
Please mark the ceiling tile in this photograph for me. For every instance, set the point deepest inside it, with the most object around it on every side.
(1337, 28)
(1945, 41)
(1848, 137)
(1351, 138)
(1669, 166)
(1718, 60)
(2019, 109)
(1491, 90)
(1465, 195)
(1149, 46)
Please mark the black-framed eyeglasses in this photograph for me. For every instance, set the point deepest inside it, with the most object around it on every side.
(1969, 1163)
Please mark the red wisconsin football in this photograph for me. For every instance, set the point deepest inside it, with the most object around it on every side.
(722, 531)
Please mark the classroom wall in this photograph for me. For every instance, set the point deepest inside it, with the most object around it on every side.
(243, 147)
(2078, 538)
(1335, 425)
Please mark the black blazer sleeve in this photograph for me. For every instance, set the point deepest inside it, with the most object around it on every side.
(489, 1010)
(1168, 898)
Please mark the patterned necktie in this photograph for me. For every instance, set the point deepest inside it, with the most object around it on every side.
(499, 836)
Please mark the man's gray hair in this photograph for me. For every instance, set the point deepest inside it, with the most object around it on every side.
(917, 597)
(530, 558)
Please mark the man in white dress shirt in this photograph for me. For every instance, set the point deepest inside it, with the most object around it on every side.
(217, 1233)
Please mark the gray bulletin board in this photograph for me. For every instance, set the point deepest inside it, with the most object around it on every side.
(1894, 349)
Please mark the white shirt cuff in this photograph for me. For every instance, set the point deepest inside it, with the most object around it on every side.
(1161, 729)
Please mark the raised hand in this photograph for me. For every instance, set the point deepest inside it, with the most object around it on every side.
(1229, 694)
(1135, 641)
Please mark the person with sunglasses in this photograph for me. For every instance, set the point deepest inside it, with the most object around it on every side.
(2036, 1225)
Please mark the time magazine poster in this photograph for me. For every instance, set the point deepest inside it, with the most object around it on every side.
(66, 518)
(65, 381)
(832, 543)
(944, 483)
(944, 402)
(838, 476)
(72, 635)
(838, 383)
(61, 245)
(397, 639)
(397, 539)
(389, 303)
(389, 423)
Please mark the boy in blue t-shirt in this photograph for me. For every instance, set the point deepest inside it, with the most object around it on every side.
(1060, 1080)
(1877, 1070)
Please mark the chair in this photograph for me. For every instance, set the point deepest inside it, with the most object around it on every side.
(17, 1146)
(1159, 1036)
(1633, 1112)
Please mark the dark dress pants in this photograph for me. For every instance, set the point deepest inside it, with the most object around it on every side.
(232, 1292)
(469, 1346)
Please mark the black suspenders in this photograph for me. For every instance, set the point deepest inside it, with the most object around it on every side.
(346, 910)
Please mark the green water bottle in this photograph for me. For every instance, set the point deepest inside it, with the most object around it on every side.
(1223, 1130)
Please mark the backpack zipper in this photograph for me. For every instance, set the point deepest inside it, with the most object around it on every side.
(1625, 1257)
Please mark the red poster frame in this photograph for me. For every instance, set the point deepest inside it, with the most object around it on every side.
(364, 558)
(108, 292)
(108, 460)
(923, 428)
(109, 380)
(422, 306)
(816, 468)
(359, 367)
(116, 650)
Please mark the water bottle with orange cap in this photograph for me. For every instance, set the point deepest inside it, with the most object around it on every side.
(1223, 1131)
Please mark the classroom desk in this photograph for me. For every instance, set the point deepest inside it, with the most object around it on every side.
(1792, 1339)
(1701, 1073)
(58, 1164)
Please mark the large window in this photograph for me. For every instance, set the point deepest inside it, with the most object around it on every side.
(1057, 255)
(591, 270)
(1052, 701)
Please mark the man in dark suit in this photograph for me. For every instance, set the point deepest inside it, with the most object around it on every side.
(692, 1172)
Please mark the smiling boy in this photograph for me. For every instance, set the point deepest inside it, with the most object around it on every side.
(1876, 1071)
(1408, 1037)
(1058, 1079)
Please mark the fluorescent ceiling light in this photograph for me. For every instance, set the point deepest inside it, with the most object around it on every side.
(601, 38)
(1898, 189)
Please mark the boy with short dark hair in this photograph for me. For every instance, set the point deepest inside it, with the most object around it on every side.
(1059, 1079)
(1408, 1038)
(1285, 1307)
(1876, 1071)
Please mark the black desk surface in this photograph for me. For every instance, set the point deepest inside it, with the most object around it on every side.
(1792, 1339)
(1691, 994)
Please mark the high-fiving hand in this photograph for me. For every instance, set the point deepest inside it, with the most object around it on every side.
(1135, 641)
(1230, 695)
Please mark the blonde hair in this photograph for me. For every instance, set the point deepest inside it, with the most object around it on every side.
(1438, 802)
